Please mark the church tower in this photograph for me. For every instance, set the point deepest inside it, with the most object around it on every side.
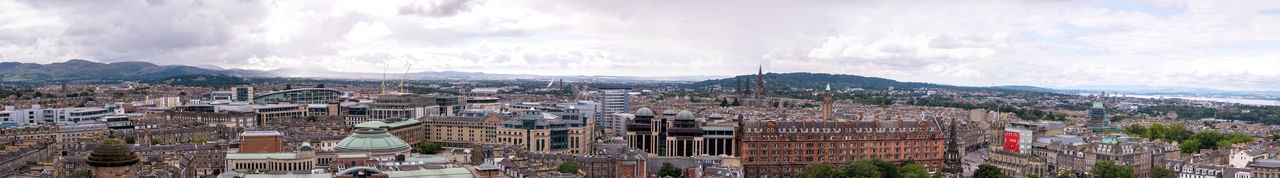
(759, 97)
(826, 103)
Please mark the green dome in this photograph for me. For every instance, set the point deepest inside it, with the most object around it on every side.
(375, 140)
(112, 153)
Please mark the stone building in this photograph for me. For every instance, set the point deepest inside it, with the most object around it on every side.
(409, 130)
(112, 158)
(464, 132)
(780, 148)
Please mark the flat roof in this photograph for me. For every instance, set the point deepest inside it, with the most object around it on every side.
(260, 133)
(353, 156)
(262, 155)
(393, 125)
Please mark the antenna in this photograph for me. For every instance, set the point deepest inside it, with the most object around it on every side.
(405, 76)
(384, 79)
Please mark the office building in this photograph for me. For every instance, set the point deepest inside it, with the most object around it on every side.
(461, 131)
(402, 105)
(299, 96)
(242, 94)
(613, 101)
(534, 130)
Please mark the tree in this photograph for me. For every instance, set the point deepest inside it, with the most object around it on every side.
(988, 171)
(1110, 169)
(724, 103)
(817, 171)
(736, 103)
(155, 142)
(311, 118)
(1161, 172)
(670, 170)
(1177, 132)
(429, 148)
(861, 169)
(1033, 175)
(1189, 146)
(1136, 130)
(1156, 131)
(913, 170)
(130, 140)
(569, 167)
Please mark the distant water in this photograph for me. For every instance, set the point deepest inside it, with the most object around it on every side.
(1228, 100)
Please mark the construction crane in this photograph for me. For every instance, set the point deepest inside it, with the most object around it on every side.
(405, 76)
(384, 79)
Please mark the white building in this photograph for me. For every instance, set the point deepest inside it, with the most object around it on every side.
(61, 116)
(613, 101)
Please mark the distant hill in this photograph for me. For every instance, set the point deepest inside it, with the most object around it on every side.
(76, 69)
(207, 80)
(773, 81)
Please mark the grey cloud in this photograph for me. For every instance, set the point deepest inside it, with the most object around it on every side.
(441, 8)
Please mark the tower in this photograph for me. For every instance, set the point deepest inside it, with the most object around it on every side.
(951, 158)
(826, 103)
(112, 158)
(759, 97)
(739, 90)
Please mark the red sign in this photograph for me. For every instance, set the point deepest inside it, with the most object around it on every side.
(1011, 141)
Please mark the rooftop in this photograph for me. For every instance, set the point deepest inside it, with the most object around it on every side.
(262, 156)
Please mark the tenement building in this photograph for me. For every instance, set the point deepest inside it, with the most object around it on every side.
(780, 148)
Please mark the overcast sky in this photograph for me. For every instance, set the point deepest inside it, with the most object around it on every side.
(1232, 45)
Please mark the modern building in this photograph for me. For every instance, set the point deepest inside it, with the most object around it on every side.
(679, 134)
(299, 96)
(564, 132)
(242, 94)
(61, 116)
(613, 101)
(780, 148)
(402, 105)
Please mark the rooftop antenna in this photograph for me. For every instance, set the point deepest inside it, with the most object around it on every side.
(405, 76)
(384, 78)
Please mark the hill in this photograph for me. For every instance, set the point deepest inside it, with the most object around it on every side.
(775, 81)
(76, 69)
(210, 80)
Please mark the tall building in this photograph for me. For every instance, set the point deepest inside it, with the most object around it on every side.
(760, 86)
(780, 148)
(613, 101)
(460, 131)
(1098, 121)
(242, 93)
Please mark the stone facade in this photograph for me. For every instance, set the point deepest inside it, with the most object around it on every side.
(772, 148)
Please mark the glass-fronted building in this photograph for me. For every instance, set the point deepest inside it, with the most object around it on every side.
(299, 96)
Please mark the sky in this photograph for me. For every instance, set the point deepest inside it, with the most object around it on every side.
(1229, 45)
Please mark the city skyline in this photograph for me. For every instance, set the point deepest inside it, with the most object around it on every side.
(1219, 45)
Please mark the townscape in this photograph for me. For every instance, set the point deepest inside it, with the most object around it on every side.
(566, 128)
(639, 89)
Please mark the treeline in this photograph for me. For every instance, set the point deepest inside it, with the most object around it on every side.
(211, 80)
(867, 168)
(1024, 114)
(1188, 141)
(1269, 115)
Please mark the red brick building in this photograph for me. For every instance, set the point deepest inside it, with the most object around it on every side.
(261, 142)
(780, 148)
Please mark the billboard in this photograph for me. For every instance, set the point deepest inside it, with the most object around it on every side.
(1011, 141)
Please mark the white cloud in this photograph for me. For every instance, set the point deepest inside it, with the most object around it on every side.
(1216, 44)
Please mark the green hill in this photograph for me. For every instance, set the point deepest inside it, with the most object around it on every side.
(210, 80)
(76, 69)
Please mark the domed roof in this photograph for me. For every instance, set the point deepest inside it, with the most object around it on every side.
(306, 146)
(375, 140)
(642, 112)
(669, 112)
(716, 116)
(684, 115)
(112, 153)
